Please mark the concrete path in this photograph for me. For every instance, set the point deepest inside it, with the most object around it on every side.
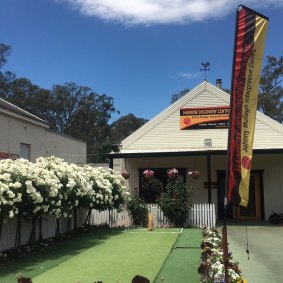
(266, 250)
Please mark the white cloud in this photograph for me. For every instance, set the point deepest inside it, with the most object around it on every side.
(149, 12)
(190, 75)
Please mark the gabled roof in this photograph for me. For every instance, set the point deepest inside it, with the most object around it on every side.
(13, 110)
(163, 134)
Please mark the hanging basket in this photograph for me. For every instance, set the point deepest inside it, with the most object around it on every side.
(148, 174)
(194, 174)
(125, 175)
(172, 173)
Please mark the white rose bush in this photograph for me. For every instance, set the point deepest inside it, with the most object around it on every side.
(51, 186)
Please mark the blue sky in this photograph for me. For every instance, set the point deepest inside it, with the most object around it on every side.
(139, 52)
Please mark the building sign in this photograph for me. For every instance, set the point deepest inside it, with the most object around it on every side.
(204, 118)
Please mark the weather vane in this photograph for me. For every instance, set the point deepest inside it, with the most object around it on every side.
(205, 68)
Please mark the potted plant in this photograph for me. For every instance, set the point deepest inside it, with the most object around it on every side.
(172, 173)
(148, 174)
(194, 174)
(125, 175)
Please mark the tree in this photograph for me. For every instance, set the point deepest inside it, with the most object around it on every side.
(23, 93)
(5, 77)
(125, 126)
(80, 112)
(5, 51)
(116, 132)
(270, 100)
(177, 96)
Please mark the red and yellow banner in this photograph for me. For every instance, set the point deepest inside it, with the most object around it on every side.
(204, 118)
(250, 34)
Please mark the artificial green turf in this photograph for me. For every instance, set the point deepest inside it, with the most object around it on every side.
(190, 238)
(182, 263)
(108, 255)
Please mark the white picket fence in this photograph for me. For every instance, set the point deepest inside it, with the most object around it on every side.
(112, 218)
(202, 215)
(8, 235)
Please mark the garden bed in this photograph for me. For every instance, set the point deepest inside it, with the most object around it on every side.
(211, 267)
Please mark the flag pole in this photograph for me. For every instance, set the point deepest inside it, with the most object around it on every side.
(225, 207)
(250, 32)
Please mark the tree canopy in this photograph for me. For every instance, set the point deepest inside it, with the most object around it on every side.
(270, 100)
(177, 96)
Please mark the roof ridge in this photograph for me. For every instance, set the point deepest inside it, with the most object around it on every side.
(14, 108)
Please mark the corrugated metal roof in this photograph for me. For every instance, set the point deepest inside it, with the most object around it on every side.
(196, 149)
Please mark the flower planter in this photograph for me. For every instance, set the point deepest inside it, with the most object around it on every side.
(148, 174)
(172, 173)
(125, 175)
(194, 174)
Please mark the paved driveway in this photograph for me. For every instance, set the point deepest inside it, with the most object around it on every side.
(266, 250)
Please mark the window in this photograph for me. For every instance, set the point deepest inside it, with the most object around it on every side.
(150, 190)
(25, 151)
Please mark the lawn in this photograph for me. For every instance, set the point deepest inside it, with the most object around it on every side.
(109, 255)
(182, 264)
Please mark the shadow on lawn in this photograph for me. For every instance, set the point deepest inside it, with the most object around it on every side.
(44, 259)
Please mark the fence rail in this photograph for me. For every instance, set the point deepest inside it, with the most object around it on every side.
(202, 215)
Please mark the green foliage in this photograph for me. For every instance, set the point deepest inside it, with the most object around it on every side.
(5, 51)
(125, 126)
(175, 202)
(151, 189)
(270, 100)
(137, 210)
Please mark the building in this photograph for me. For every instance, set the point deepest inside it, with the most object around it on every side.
(27, 136)
(169, 141)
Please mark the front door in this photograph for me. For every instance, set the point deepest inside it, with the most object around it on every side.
(253, 210)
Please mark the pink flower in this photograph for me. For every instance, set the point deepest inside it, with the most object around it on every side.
(148, 173)
(172, 172)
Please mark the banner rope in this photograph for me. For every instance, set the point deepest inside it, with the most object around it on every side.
(247, 250)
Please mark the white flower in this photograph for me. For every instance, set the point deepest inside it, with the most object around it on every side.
(11, 214)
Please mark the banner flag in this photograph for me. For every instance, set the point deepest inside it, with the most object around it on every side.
(251, 28)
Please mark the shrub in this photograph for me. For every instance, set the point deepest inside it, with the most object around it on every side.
(137, 210)
(175, 202)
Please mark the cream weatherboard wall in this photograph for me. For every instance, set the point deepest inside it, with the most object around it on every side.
(16, 129)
